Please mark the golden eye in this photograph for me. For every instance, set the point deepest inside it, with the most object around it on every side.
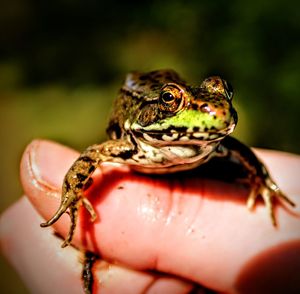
(171, 98)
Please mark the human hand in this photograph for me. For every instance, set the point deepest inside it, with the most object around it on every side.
(197, 231)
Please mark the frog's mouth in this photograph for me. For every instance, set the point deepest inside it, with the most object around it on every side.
(182, 135)
(186, 127)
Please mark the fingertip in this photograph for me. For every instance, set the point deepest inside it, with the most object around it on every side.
(44, 164)
(42, 169)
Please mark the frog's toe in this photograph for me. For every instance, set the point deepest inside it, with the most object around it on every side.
(269, 192)
(61, 210)
(286, 199)
(251, 199)
(89, 207)
(73, 213)
(268, 197)
(275, 192)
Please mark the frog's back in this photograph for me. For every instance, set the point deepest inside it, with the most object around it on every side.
(137, 89)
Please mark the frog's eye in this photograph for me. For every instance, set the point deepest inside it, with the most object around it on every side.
(171, 98)
(216, 85)
(167, 97)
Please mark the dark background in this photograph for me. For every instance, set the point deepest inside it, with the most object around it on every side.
(62, 62)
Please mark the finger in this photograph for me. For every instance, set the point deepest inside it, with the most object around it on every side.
(197, 229)
(31, 253)
(47, 268)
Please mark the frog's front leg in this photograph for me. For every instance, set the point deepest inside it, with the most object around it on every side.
(78, 178)
(258, 176)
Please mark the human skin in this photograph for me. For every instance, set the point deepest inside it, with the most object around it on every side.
(154, 234)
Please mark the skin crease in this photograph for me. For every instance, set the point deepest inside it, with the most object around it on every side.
(196, 231)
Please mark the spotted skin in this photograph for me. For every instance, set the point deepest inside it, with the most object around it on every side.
(161, 124)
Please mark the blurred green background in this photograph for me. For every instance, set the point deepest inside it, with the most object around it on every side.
(62, 62)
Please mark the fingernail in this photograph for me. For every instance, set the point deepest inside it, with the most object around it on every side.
(46, 164)
(35, 166)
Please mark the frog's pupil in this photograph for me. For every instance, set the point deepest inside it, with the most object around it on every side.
(167, 97)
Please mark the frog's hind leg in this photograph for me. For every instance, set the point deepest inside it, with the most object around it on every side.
(89, 207)
(259, 179)
(87, 272)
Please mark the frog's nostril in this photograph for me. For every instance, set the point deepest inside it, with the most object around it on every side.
(206, 108)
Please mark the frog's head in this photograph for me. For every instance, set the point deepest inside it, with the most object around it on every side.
(175, 113)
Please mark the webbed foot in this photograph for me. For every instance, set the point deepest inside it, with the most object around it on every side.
(73, 212)
(269, 192)
(71, 204)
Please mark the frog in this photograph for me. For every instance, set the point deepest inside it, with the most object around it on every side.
(160, 124)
